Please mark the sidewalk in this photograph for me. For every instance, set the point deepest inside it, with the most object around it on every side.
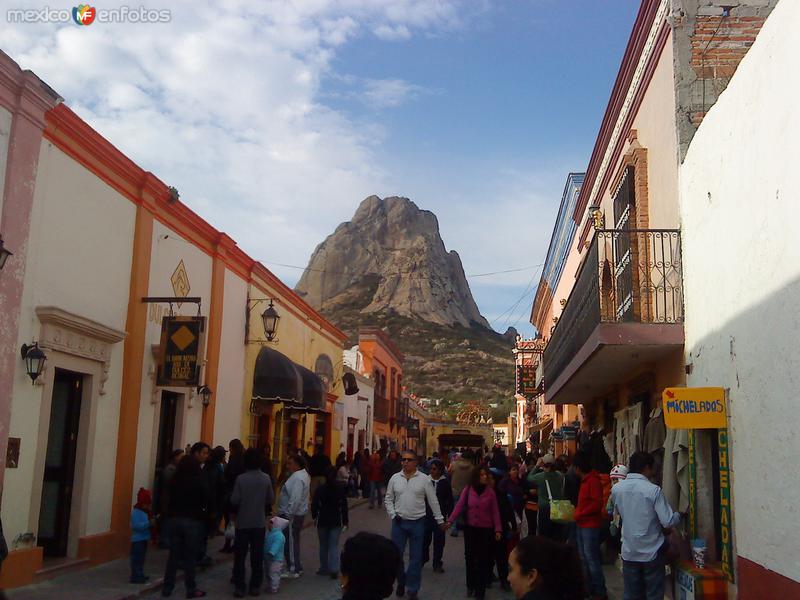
(109, 581)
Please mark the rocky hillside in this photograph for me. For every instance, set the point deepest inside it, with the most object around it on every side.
(388, 266)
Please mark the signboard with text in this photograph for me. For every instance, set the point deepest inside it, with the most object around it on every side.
(695, 408)
(526, 380)
(181, 343)
(725, 516)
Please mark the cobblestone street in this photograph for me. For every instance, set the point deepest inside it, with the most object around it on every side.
(450, 584)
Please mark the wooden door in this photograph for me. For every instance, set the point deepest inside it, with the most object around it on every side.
(59, 467)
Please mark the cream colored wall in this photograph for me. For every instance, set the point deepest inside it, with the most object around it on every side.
(79, 259)
(166, 254)
(656, 131)
(230, 380)
(5, 133)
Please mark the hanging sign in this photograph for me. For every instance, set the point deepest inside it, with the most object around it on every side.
(412, 431)
(181, 342)
(695, 408)
(526, 380)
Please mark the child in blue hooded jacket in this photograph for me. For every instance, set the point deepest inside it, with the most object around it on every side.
(140, 534)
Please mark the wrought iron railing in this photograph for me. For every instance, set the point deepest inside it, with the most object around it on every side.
(381, 408)
(629, 276)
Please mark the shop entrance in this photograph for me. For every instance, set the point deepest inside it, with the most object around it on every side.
(166, 440)
(59, 467)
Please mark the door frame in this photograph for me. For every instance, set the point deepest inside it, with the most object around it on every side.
(85, 459)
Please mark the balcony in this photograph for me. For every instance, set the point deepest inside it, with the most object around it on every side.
(381, 406)
(625, 311)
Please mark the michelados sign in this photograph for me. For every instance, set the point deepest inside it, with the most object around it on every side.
(695, 408)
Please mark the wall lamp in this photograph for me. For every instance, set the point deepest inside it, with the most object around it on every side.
(34, 359)
(269, 318)
(205, 394)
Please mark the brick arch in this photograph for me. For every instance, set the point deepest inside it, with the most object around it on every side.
(635, 157)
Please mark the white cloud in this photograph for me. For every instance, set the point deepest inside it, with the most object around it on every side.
(389, 93)
(225, 103)
(392, 33)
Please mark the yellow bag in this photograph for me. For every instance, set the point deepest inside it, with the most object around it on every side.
(561, 511)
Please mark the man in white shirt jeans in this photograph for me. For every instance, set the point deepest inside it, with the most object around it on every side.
(405, 502)
(293, 506)
(645, 514)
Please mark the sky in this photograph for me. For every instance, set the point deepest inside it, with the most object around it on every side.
(275, 119)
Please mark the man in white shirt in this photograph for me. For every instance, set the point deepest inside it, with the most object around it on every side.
(645, 515)
(405, 500)
(293, 506)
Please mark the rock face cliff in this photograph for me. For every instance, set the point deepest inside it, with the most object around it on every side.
(388, 267)
(392, 255)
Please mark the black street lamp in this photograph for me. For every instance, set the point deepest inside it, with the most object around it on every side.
(270, 318)
(4, 254)
(205, 394)
(34, 360)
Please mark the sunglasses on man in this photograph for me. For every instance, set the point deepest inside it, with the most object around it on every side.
(408, 460)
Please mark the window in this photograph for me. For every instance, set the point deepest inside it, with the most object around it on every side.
(323, 368)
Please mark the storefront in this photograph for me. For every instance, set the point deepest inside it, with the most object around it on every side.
(293, 376)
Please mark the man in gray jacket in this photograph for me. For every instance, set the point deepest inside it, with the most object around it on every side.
(251, 501)
(293, 506)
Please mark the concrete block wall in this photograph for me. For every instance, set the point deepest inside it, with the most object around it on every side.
(710, 38)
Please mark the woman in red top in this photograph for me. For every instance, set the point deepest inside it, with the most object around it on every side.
(589, 518)
(483, 528)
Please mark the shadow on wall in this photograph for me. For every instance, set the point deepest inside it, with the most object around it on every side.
(756, 355)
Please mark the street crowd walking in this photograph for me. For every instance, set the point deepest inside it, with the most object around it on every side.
(535, 525)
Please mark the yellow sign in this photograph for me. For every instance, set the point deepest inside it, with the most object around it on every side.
(695, 408)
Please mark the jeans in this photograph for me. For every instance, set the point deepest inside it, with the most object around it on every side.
(478, 549)
(411, 532)
(252, 540)
(329, 549)
(138, 552)
(291, 550)
(643, 580)
(589, 548)
(435, 534)
(185, 539)
(376, 493)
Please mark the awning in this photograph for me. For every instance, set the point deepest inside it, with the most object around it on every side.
(547, 423)
(275, 378)
(313, 398)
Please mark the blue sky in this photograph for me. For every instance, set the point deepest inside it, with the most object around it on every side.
(275, 119)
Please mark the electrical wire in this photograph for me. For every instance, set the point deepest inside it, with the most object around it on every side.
(328, 272)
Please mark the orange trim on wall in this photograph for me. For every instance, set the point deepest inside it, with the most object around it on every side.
(100, 548)
(20, 567)
(132, 368)
(213, 344)
(754, 579)
(73, 136)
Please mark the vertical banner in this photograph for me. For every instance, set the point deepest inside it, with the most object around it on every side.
(692, 484)
(725, 517)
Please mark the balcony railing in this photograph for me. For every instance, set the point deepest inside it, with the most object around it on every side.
(629, 276)
(381, 409)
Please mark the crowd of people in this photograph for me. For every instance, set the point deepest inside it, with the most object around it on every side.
(532, 524)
